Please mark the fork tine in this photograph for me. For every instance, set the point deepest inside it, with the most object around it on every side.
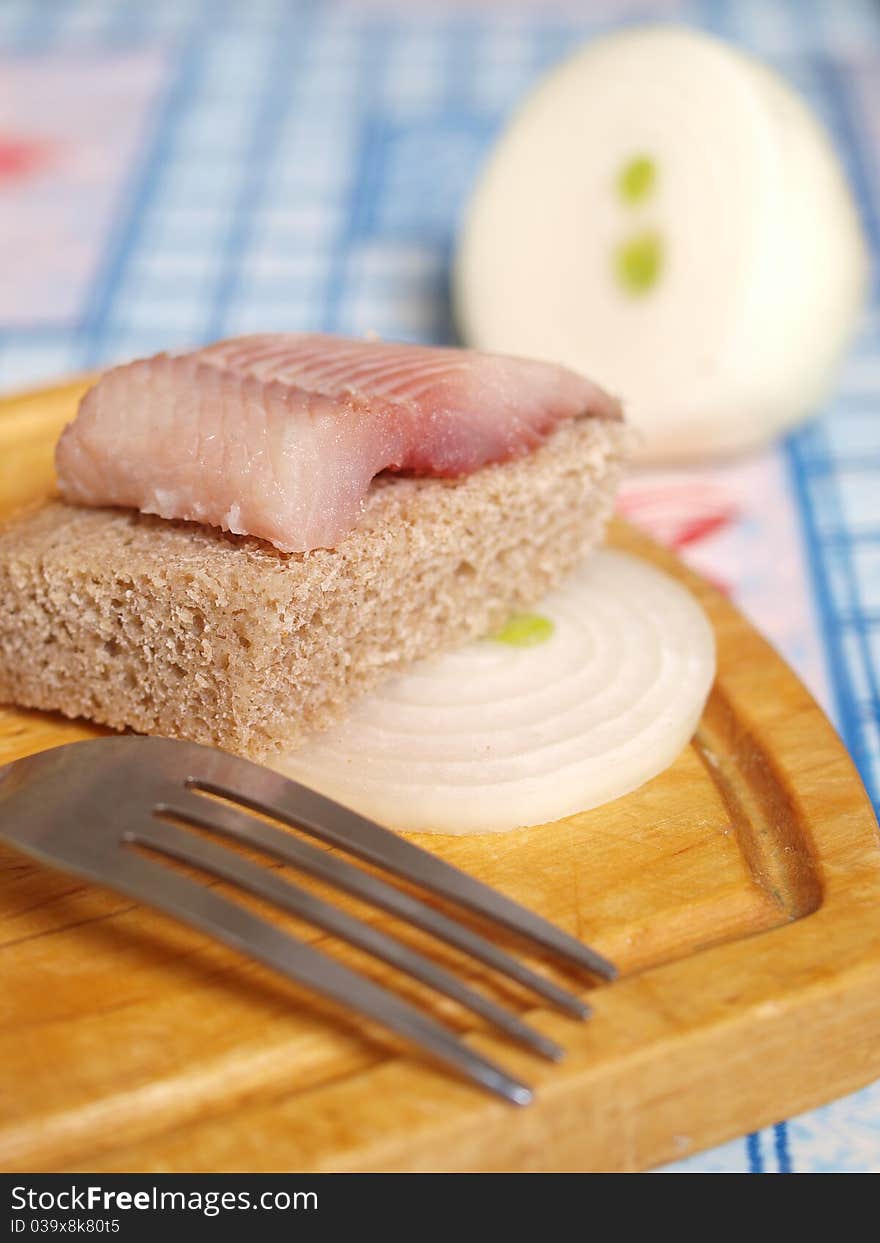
(221, 862)
(271, 794)
(207, 911)
(238, 824)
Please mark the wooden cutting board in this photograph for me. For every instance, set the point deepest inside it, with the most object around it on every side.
(739, 892)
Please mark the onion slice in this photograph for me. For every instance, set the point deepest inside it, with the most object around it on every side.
(500, 734)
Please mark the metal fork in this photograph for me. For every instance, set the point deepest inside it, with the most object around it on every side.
(83, 807)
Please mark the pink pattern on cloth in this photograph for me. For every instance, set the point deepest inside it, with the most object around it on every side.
(680, 516)
(23, 157)
(735, 524)
(70, 131)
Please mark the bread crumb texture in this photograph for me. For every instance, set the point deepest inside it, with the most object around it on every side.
(181, 630)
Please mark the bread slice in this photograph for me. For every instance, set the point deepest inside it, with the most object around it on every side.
(177, 629)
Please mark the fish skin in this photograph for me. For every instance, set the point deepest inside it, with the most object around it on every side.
(280, 435)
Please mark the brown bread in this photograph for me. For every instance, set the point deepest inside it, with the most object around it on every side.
(177, 629)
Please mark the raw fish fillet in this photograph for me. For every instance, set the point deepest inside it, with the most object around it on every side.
(279, 435)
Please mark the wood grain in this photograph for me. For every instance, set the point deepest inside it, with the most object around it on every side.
(739, 892)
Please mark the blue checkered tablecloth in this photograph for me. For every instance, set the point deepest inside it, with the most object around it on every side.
(227, 167)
